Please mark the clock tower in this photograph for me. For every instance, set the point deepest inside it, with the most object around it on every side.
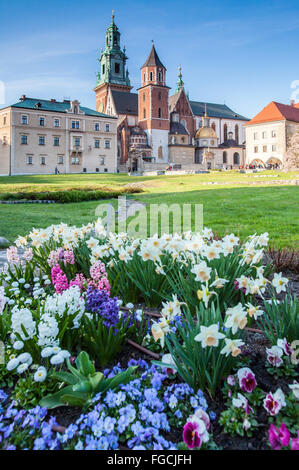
(113, 72)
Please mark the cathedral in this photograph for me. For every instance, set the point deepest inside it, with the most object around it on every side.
(157, 130)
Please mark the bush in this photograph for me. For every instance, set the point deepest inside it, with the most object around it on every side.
(70, 195)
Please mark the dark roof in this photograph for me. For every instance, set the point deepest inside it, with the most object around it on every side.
(153, 59)
(55, 106)
(230, 143)
(215, 110)
(177, 128)
(137, 131)
(125, 103)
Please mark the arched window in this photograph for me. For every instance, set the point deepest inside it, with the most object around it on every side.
(160, 152)
(143, 97)
(160, 96)
(236, 159)
(144, 113)
(75, 110)
(214, 126)
(224, 157)
(160, 76)
(159, 113)
(225, 132)
(151, 76)
(144, 77)
(237, 133)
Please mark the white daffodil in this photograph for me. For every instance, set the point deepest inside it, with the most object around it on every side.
(209, 336)
(159, 330)
(236, 318)
(205, 294)
(232, 346)
(219, 283)
(254, 312)
(279, 283)
(202, 272)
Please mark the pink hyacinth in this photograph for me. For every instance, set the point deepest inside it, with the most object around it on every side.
(69, 257)
(54, 257)
(28, 255)
(12, 255)
(97, 271)
(79, 281)
(279, 438)
(59, 279)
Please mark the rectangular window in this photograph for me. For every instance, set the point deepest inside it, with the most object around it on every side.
(56, 123)
(117, 67)
(107, 144)
(56, 142)
(102, 160)
(264, 135)
(41, 140)
(255, 136)
(274, 148)
(107, 127)
(42, 160)
(24, 140)
(60, 159)
(29, 159)
(77, 141)
(265, 148)
(42, 121)
(96, 144)
(75, 125)
(4, 140)
(75, 160)
(273, 133)
(256, 149)
(24, 120)
(4, 121)
(97, 126)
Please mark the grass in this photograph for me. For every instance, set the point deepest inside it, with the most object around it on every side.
(234, 204)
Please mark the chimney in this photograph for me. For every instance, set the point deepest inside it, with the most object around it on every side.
(23, 97)
(292, 102)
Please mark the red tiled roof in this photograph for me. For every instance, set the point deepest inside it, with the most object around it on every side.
(277, 112)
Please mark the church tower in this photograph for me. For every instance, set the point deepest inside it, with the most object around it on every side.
(113, 73)
(153, 106)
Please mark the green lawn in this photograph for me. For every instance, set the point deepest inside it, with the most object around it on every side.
(238, 206)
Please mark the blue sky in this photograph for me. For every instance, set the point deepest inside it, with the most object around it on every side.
(242, 53)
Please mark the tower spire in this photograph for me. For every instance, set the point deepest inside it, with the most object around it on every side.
(180, 83)
(113, 16)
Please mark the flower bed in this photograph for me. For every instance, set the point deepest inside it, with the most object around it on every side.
(172, 342)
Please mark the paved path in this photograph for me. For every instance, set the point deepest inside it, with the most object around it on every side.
(2, 257)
